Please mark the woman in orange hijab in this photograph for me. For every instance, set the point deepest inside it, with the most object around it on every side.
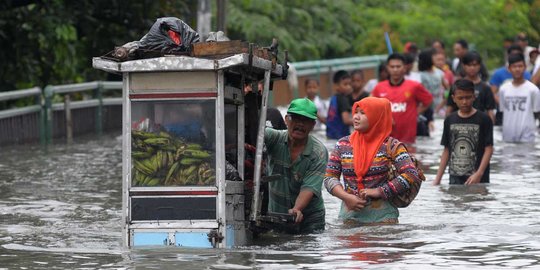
(365, 160)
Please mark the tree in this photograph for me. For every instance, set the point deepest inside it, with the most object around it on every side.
(53, 42)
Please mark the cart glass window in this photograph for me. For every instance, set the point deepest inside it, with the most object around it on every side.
(173, 143)
(231, 134)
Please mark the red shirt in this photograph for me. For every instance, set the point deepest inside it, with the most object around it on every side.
(404, 98)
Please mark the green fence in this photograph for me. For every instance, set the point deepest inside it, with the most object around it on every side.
(40, 122)
(24, 124)
(97, 102)
(325, 69)
(46, 120)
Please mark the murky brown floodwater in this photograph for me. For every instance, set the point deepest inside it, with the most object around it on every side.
(60, 209)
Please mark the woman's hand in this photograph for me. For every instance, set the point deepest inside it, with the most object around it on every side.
(373, 193)
(354, 202)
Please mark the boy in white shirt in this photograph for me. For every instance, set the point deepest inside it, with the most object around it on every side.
(520, 102)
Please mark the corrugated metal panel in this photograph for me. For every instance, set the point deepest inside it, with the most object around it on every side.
(20, 129)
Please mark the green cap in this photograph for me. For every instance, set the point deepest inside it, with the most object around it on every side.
(303, 107)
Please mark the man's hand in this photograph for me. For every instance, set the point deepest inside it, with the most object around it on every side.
(354, 203)
(298, 215)
(474, 179)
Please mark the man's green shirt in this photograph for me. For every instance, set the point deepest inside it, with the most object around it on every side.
(306, 173)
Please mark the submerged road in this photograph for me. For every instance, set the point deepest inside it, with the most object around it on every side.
(60, 208)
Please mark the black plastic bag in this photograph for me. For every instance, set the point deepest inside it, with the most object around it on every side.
(169, 35)
(231, 173)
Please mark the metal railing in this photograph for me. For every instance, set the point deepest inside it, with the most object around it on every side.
(12, 95)
(20, 124)
(11, 120)
(97, 88)
(46, 116)
(329, 66)
(325, 66)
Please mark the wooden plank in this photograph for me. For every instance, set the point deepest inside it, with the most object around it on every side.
(219, 48)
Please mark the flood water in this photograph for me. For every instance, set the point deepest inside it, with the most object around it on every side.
(60, 208)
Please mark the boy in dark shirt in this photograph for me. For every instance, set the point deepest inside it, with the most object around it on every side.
(339, 117)
(467, 139)
(484, 100)
(357, 82)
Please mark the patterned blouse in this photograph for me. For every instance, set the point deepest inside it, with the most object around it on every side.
(341, 162)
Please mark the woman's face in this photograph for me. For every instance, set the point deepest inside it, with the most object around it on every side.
(360, 121)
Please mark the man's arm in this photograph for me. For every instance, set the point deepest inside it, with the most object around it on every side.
(344, 110)
(442, 166)
(312, 182)
(422, 108)
(536, 77)
(303, 199)
(424, 97)
(346, 117)
(477, 176)
(491, 115)
(495, 91)
(321, 119)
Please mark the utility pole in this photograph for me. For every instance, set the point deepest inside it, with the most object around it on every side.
(221, 8)
(204, 18)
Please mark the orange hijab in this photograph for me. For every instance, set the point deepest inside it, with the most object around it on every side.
(366, 144)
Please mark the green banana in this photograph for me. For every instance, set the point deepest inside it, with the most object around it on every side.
(140, 155)
(170, 158)
(210, 180)
(137, 145)
(143, 167)
(156, 162)
(157, 141)
(135, 178)
(189, 161)
(164, 134)
(159, 162)
(179, 153)
(172, 171)
(197, 153)
(191, 169)
(153, 182)
(191, 180)
(168, 147)
(194, 146)
(147, 180)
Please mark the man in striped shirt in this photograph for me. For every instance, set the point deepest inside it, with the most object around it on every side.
(300, 159)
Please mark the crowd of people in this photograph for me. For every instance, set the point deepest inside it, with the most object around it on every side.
(374, 121)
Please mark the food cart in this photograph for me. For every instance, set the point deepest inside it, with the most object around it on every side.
(183, 136)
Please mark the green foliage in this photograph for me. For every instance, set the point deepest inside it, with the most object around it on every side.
(53, 42)
(318, 29)
(308, 29)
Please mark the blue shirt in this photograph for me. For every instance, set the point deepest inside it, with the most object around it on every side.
(502, 74)
(335, 128)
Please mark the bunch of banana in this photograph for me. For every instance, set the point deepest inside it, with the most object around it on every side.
(160, 159)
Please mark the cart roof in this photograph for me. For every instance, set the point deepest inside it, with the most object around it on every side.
(185, 63)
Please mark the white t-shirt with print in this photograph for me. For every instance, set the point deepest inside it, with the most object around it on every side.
(518, 104)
